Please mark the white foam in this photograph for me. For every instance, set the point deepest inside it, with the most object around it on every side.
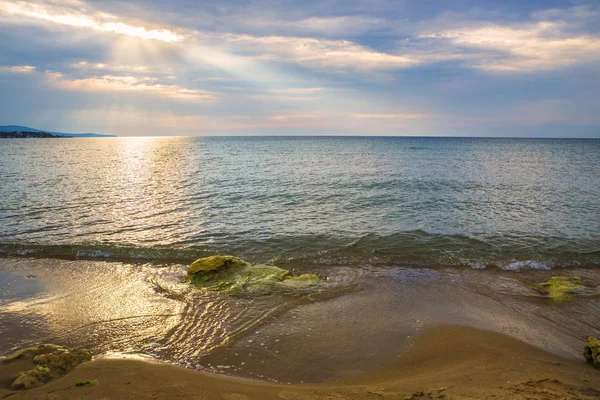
(474, 265)
(93, 254)
(477, 266)
(529, 264)
(24, 252)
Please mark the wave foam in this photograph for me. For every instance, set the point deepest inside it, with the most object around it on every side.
(529, 264)
(93, 254)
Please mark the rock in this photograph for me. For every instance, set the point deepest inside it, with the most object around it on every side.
(300, 281)
(591, 351)
(86, 383)
(232, 274)
(212, 263)
(559, 288)
(31, 352)
(50, 362)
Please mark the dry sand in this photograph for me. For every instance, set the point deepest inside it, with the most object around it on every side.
(446, 363)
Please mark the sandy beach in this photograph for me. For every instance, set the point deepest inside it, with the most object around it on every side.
(446, 363)
(296, 200)
(389, 335)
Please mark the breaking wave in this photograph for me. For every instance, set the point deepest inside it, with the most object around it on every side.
(413, 248)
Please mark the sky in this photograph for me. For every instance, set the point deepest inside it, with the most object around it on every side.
(290, 67)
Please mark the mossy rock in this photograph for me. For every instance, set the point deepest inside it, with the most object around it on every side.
(591, 351)
(301, 281)
(232, 274)
(31, 352)
(560, 288)
(213, 263)
(86, 383)
(50, 362)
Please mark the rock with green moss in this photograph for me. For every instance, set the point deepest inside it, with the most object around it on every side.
(213, 263)
(301, 281)
(232, 274)
(86, 383)
(49, 363)
(591, 351)
(560, 288)
(30, 352)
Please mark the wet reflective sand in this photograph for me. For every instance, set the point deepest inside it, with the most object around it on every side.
(365, 320)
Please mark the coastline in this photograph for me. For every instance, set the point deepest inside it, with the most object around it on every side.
(447, 362)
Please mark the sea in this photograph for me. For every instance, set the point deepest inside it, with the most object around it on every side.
(96, 233)
(471, 202)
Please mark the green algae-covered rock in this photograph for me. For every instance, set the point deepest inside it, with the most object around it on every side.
(50, 362)
(31, 352)
(213, 263)
(591, 351)
(560, 288)
(232, 274)
(301, 281)
(86, 383)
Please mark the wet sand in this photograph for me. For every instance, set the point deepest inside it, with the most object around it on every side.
(378, 333)
(446, 362)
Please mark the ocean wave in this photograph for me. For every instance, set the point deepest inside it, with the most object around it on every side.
(414, 248)
(93, 254)
(529, 264)
(102, 251)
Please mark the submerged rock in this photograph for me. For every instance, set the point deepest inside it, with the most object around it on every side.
(228, 273)
(49, 361)
(559, 288)
(591, 351)
(301, 281)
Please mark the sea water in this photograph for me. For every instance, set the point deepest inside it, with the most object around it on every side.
(507, 203)
(406, 233)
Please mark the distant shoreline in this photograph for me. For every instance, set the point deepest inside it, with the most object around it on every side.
(28, 135)
(11, 129)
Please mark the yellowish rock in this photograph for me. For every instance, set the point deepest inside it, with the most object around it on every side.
(232, 274)
(591, 351)
(49, 363)
(560, 288)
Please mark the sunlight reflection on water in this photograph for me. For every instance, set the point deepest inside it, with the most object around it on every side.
(264, 198)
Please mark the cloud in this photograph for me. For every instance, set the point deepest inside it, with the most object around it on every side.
(520, 48)
(318, 53)
(393, 116)
(343, 25)
(199, 124)
(76, 14)
(301, 91)
(574, 15)
(132, 84)
(293, 117)
(19, 69)
(295, 94)
(91, 66)
(541, 45)
(313, 67)
(553, 39)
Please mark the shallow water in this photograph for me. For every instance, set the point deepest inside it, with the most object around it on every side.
(363, 320)
(509, 203)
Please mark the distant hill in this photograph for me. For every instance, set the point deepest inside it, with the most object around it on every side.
(18, 128)
(28, 135)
